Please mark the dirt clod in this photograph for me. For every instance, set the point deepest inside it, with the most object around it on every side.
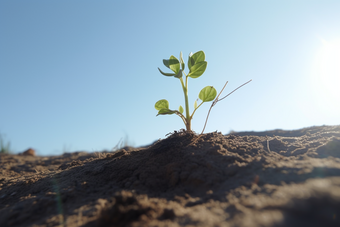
(29, 151)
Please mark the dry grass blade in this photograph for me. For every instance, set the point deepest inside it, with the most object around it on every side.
(216, 100)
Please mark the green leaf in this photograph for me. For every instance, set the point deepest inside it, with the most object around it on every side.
(198, 56)
(162, 104)
(174, 64)
(163, 107)
(182, 62)
(165, 111)
(166, 74)
(198, 69)
(179, 74)
(166, 62)
(195, 58)
(207, 94)
(191, 61)
(195, 104)
(180, 109)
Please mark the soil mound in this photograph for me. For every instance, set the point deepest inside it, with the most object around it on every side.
(273, 178)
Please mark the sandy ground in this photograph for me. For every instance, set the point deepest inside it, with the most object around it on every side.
(272, 178)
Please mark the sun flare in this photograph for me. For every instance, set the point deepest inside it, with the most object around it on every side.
(326, 70)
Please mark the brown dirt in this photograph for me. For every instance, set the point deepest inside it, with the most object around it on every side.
(273, 178)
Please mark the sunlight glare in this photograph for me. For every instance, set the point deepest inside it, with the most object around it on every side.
(327, 69)
(325, 81)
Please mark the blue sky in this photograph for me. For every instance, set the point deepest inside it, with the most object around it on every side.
(81, 75)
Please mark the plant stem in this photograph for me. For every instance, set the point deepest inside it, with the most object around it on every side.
(195, 110)
(187, 113)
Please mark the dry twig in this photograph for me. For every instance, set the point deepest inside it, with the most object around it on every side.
(216, 100)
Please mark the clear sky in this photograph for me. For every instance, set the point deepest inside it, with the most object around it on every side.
(80, 75)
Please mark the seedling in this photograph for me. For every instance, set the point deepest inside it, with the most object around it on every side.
(197, 66)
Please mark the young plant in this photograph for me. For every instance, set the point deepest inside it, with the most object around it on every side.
(197, 66)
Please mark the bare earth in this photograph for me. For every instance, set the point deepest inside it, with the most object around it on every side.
(272, 178)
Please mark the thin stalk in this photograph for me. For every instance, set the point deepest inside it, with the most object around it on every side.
(216, 100)
(181, 116)
(187, 113)
(195, 110)
(234, 90)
